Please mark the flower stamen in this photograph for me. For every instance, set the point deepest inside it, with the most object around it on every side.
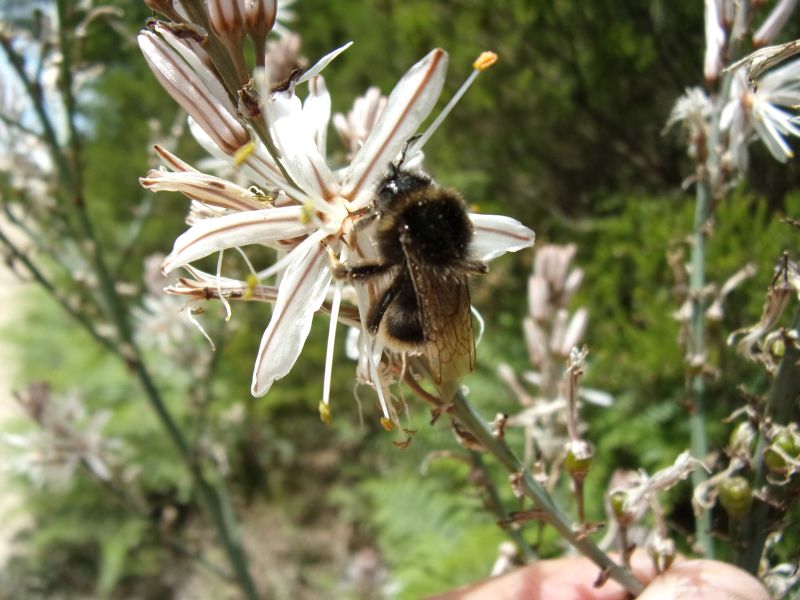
(326, 382)
(483, 62)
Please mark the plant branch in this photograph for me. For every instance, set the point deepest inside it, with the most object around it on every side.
(495, 505)
(782, 405)
(215, 503)
(477, 426)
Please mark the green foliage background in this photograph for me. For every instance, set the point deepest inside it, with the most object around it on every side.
(565, 134)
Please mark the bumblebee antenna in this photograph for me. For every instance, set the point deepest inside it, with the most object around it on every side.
(394, 167)
(483, 62)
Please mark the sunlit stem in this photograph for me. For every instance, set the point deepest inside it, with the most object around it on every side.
(479, 66)
(495, 504)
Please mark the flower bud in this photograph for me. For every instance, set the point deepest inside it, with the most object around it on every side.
(226, 19)
(260, 17)
(773, 24)
(181, 69)
(578, 459)
(784, 443)
(662, 552)
(736, 497)
(617, 500)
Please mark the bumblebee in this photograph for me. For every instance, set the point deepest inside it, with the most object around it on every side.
(423, 237)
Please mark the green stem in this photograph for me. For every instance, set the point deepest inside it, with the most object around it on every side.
(477, 426)
(495, 504)
(707, 188)
(697, 419)
(783, 403)
(215, 503)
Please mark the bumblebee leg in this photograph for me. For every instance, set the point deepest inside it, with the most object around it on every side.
(342, 271)
(376, 313)
(476, 267)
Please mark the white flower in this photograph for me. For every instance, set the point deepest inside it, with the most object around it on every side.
(319, 208)
(66, 436)
(693, 109)
(760, 112)
(715, 38)
(773, 24)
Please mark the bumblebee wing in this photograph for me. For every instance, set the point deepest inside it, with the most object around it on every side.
(443, 298)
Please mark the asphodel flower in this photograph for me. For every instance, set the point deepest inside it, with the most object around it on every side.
(763, 112)
(313, 208)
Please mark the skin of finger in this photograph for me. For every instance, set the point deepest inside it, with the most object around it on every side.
(562, 578)
(705, 580)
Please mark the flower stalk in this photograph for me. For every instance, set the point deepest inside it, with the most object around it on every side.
(782, 404)
(706, 188)
(470, 420)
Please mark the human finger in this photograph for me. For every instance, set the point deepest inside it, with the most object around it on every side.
(705, 580)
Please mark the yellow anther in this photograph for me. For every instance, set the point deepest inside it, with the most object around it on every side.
(307, 213)
(252, 282)
(484, 61)
(325, 413)
(387, 424)
(243, 153)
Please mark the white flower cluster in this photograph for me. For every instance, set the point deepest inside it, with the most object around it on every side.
(748, 106)
(299, 203)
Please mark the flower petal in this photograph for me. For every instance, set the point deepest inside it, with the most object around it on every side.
(205, 188)
(496, 235)
(194, 90)
(409, 104)
(302, 292)
(234, 230)
(295, 138)
(317, 110)
(322, 63)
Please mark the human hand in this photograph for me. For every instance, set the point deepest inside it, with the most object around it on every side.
(573, 579)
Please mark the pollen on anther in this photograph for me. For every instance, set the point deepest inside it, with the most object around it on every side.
(484, 61)
(243, 153)
(252, 282)
(325, 413)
